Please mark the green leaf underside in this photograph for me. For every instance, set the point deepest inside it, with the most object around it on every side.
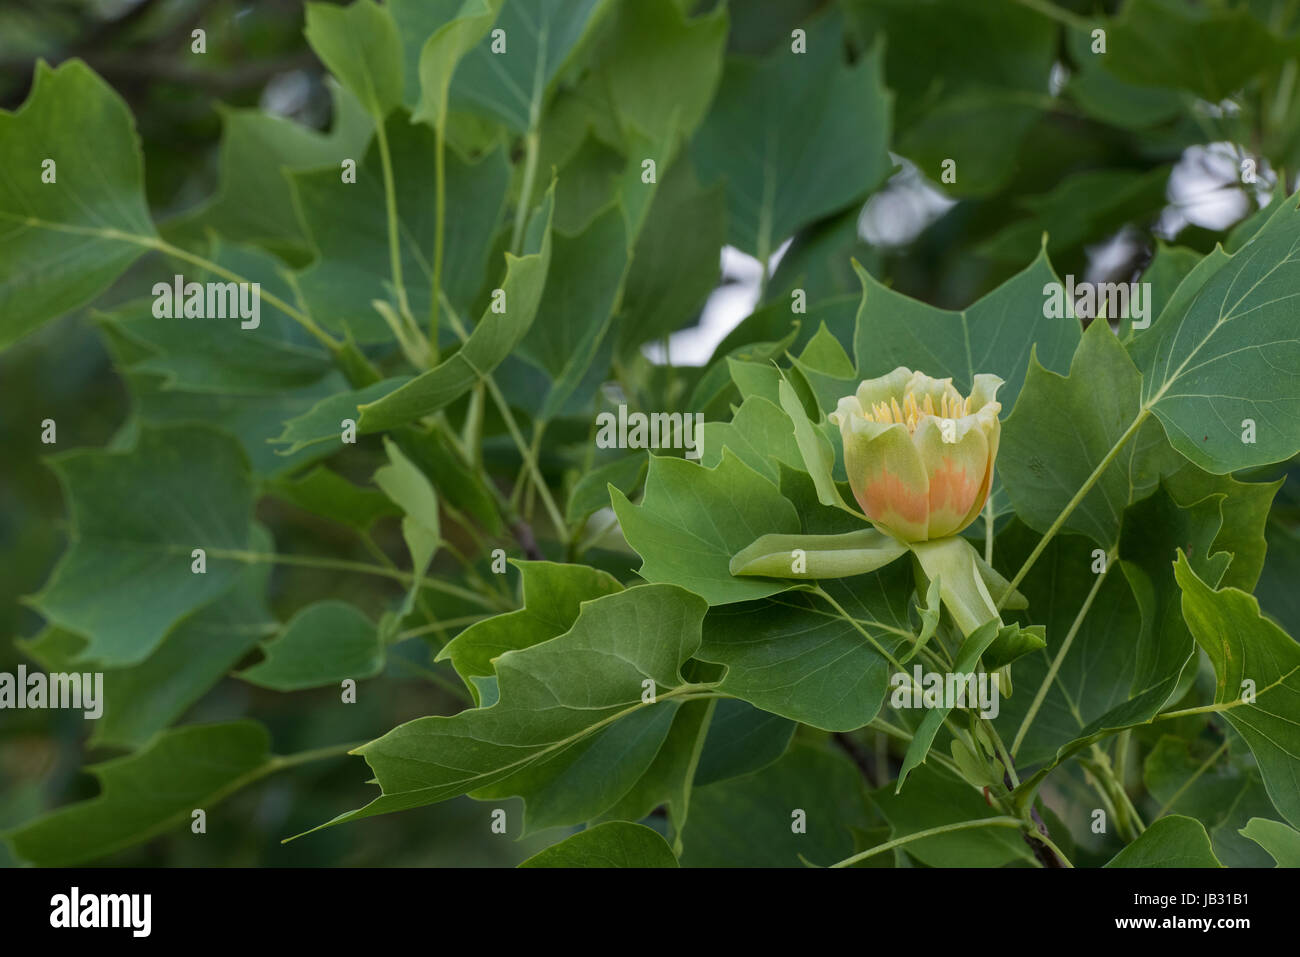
(1243, 646)
(553, 594)
(726, 815)
(1281, 842)
(147, 793)
(348, 227)
(61, 242)
(1173, 841)
(323, 422)
(613, 844)
(795, 656)
(140, 700)
(934, 798)
(323, 644)
(764, 116)
(136, 517)
(571, 749)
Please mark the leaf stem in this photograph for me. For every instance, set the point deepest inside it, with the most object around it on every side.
(1055, 666)
(1013, 822)
(281, 761)
(167, 249)
(1074, 502)
(439, 224)
(525, 451)
(1205, 766)
(532, 146)
(364, 568)
(394, 241)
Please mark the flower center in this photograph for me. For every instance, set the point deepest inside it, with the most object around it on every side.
(911, 413)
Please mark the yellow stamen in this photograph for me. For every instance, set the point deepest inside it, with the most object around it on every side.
(912, 412)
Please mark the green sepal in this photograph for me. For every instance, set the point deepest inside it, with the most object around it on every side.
(1012, 642)
(930, 613)
(823, 556)
(954, 563)
(997, 585)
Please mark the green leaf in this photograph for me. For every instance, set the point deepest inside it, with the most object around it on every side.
(553, 595)
(675, 260)
(1102, 95)
(1169, 267)
(1210, 50)
(979, 129)
(412, 491)
(360, 45)
(759, 434)
(1184, 293)
(668, 781)
(815, 449)
(1153, 531)
(323, 422)
(968, 656)
(142, 699)
(741, 739)
(1277, 592)
(826, 368)
(1093, 688)
(823, 556)
(570, 747)
(780, 105)
(969, 80)
(329, 494)
(494, 338)
(660, 69)
(577, 305)
(62, 243)
(750, 821)
(693, 519)
(795, 656)
(934, 799)
(591, 492)
(323, 644)
(1281, 842)
(541, 38)
(612, 844)
(1078, 209)
(125, 579)
(219, 356)
(452, 28)
(1173, 841)
(714, 390)
(1228, 359)
(348, 226)
(254, 199)
(148, 793)
(1223, 795)
(1244, 646)
(1000, 333)
(1064, 426)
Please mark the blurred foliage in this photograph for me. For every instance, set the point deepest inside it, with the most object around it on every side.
(1050, 139)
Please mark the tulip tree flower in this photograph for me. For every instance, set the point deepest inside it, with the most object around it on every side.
(919, 457)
